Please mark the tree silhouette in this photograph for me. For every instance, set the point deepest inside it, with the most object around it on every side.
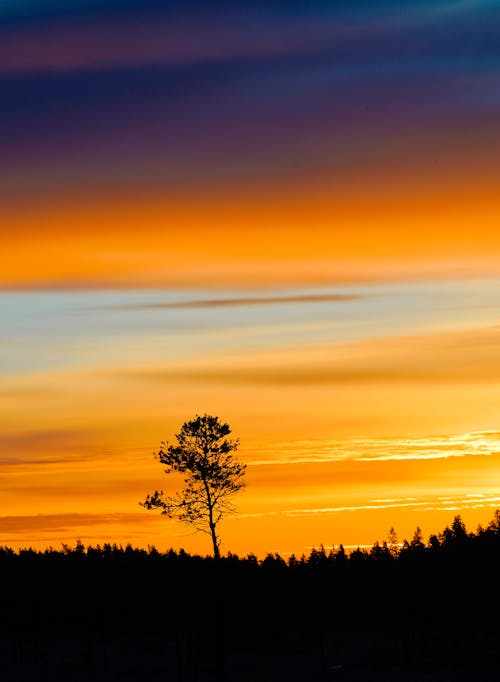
(203, 454)
(393, 542)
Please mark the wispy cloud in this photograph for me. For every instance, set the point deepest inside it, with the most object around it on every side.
(424, 503)
(150, 35)
(481, 443)
(239, 301)
(62, 522)
(436, 503)
(477, 444)
(450, 357)
(51, 446)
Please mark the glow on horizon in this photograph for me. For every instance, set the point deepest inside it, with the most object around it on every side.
(333, 393)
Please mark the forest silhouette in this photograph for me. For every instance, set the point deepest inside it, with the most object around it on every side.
(411, 611)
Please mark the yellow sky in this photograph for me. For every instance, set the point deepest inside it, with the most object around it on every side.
(339, 437)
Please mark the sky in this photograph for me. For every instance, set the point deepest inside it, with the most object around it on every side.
(281, 213)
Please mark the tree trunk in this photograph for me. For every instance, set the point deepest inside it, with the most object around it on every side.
(211, 522)
(215, 541)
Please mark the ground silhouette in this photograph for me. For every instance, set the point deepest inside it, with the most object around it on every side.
(427, 611)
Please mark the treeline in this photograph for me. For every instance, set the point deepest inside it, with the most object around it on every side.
(454, 538)
(110, 586)
(416, 603)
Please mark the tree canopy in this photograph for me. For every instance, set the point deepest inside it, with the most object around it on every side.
(212, 475)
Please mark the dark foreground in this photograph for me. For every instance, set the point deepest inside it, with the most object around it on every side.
(153, 658)
(417, 613)
(350, 656)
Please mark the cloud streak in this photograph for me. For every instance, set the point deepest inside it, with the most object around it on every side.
(429, 503)
(449, 357)
(239, 302)
(52, 446)
(436, 503)
(149, 35)
(62, 522)
(476, 444)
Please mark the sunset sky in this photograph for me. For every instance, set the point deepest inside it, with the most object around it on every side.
(282, 213)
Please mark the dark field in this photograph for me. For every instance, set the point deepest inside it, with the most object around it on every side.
(420, 612)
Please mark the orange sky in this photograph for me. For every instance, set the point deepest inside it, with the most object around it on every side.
(83, 415)
(283, 214)
(297, 234)
(336, 435)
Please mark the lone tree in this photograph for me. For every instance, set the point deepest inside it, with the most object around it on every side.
(203, 454)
